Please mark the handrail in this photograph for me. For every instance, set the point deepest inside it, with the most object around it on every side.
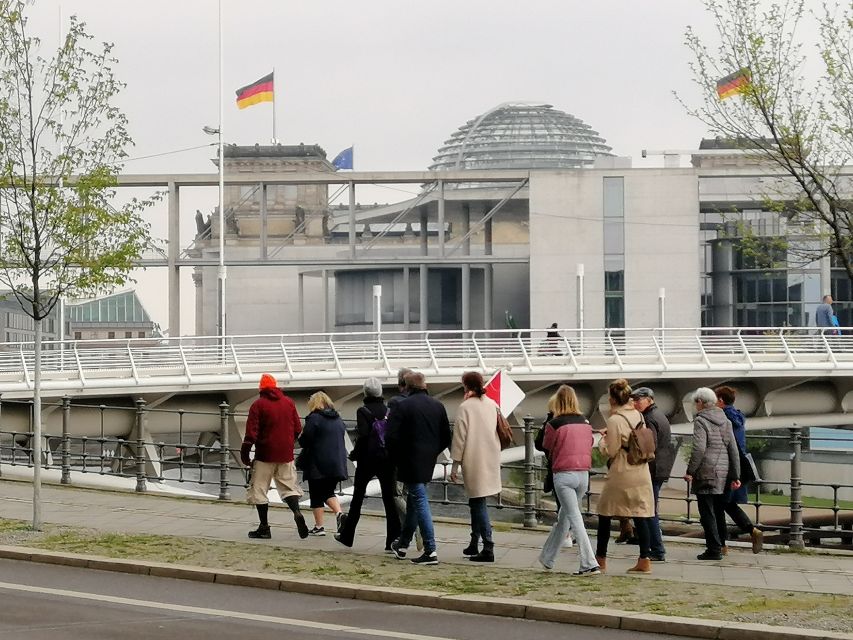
(141, 362)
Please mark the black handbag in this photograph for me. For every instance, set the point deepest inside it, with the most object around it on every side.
(301, 460)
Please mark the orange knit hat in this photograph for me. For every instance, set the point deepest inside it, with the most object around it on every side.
(267, 382)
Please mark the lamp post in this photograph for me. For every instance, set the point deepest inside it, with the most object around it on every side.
(221, 274)
(377, 318)
(662, 315)
(580, 271)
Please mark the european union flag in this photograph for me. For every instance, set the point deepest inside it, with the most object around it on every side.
(344, 159)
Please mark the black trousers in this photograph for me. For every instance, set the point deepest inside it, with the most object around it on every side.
(737, 514)
(712, 516)
(642, 529)
(365, 471)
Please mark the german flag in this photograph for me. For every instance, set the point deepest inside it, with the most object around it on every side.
(259, 91)
(733, 84)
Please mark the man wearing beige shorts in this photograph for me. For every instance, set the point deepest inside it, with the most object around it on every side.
(272, 428)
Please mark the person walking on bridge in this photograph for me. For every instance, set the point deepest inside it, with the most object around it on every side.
(271, 428)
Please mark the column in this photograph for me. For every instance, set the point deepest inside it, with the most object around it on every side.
(487, 296)
(173, 249)
(441, 237)
(424, 233)
(407, 311)
(351, 220)
(264, 229)
(198, 281)
(326, 301)
(300, 298)
(466, 227)
(466, 297)
(424, 278)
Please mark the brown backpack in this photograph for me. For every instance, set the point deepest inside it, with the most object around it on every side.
(641, 444)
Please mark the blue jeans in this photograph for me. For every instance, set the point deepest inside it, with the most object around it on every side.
(655, 536)
(481, 527)
(418, 514)
(570, 487)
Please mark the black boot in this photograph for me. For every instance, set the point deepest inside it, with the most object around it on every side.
(263, 530)
(486, 555)
(472, 549)
(298, 518)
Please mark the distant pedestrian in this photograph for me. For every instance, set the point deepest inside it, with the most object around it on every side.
(372, 461)
(418, 431)
(736, 497)
(477, 450)
(400, 498)
(824, 316)
(661, 466)
(568, 443)
(713, 465)
(627, 490)
(271, 428)
(324, 454)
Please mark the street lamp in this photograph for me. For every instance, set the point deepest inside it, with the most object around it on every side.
(221, 274)
(218, 132)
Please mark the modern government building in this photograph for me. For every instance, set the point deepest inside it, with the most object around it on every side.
(528, 218)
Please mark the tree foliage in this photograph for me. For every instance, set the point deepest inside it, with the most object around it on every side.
(795, 114)
(61, 143)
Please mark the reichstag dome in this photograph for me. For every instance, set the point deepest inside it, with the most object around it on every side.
(521, 136)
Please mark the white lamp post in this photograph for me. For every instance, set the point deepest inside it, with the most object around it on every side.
(377, 309)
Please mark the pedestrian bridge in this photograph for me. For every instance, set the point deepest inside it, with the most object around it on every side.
(202, 364)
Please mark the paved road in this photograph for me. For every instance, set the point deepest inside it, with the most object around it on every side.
(43, 602)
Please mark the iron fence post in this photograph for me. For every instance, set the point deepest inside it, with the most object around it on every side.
(140, 445)
(66, 440)
(1, 446)
(224, 451)
(796, 528)
(529, 475)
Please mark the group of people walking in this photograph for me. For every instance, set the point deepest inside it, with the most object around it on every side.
(398, 443)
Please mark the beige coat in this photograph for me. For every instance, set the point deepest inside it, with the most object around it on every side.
(627, 489)
(477, 448)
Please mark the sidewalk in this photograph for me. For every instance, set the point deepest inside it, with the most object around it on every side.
(138, 513)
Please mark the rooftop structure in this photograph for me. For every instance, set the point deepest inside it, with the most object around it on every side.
(521, 136)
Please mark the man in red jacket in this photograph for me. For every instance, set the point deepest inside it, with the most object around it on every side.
(272, 427)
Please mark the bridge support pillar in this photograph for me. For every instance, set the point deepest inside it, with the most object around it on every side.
(173, 252)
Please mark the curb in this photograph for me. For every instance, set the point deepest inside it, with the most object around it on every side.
(482, 605)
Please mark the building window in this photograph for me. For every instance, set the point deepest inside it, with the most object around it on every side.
(111, 335)
(78, 335)
(614, 252)
(141, 334)
(128, 334)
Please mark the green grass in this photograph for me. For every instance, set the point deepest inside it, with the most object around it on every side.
(808, 610)
(784, 501)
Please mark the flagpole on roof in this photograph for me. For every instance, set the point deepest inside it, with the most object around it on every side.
(274, 139)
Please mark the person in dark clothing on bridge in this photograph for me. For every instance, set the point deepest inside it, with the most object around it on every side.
(736, 497)
(418, 431)
(271, 428)
(371, 457)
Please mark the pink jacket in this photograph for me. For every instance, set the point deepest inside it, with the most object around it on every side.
(568, 441)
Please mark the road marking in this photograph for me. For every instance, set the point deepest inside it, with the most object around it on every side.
(237, 615)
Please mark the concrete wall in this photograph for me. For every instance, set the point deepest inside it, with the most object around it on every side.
(661, 214)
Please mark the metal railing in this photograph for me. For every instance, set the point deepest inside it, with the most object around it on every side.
(140, 362)
(215, 464)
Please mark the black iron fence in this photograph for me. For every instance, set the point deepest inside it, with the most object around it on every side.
(186, 457)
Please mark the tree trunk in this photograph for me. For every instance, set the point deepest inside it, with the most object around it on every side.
(37, 430)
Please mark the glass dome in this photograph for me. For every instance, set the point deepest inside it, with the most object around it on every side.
(521, 136)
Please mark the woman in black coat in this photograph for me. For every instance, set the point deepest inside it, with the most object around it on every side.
(372, 461)
(323, 457)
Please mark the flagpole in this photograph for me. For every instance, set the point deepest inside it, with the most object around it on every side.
(221, 274)
(274, 139)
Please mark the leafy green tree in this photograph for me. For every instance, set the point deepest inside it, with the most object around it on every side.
(61, 142)
(799, 123)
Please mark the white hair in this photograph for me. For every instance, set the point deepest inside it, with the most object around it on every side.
(706, 396)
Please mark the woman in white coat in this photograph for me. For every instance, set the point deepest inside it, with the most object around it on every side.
(477, 450)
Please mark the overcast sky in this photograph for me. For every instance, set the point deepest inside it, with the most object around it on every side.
(394, 78)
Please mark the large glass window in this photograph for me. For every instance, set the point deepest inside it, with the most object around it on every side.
(614, 252)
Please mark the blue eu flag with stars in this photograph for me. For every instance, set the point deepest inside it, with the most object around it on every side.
(344, 159)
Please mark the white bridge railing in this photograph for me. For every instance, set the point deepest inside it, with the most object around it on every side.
(190, 361)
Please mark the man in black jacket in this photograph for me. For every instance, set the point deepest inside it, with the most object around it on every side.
(661, 466)
(418, 431)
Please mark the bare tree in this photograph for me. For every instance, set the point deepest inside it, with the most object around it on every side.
(799, 126)
(61, 140)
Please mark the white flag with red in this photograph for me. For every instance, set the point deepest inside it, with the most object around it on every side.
(506, 394)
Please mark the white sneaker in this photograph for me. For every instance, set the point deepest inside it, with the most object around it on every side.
(569, 542)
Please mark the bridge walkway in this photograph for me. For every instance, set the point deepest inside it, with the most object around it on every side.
(110, 511)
